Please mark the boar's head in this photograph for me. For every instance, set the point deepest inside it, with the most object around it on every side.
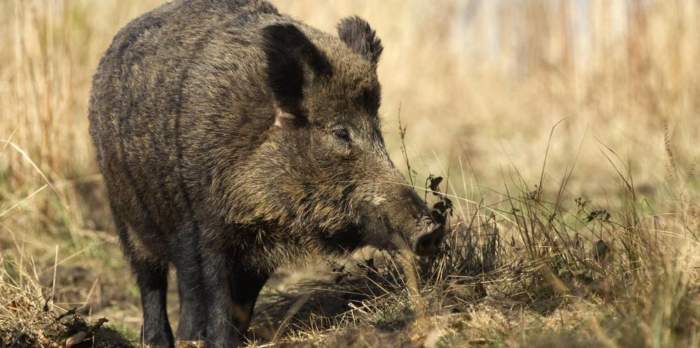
(323, 172)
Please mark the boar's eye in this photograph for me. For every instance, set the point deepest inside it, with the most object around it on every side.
(342, 134)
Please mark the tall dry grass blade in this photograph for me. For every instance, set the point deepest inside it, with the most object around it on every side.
(22, 201)
(28, 159)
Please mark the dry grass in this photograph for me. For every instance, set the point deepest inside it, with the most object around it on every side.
(567, 134)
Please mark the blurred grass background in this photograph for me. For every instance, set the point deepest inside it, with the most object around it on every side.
(487, 90)
(479, 84)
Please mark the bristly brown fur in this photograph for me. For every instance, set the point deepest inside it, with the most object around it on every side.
(205, 174)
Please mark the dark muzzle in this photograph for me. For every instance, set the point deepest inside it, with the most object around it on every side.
(428, 241)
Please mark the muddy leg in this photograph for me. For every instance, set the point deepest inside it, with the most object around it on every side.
(152, 279)
(193, 307)
(231, 295)
(221, 330)
(245, 287)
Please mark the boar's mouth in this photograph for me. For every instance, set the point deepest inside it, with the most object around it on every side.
(423, 239)
(421, 235)
(344, 240)
(404, 223)
(426, 241)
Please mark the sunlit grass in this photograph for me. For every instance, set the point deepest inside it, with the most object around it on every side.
(554, 145)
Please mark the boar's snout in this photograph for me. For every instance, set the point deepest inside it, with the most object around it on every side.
(428, 239)
(407, 215)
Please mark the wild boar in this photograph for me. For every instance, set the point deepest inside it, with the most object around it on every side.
(234, 139)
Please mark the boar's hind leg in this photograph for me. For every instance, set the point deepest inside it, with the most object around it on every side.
(231, 295)
(193, 311)
(152, 279)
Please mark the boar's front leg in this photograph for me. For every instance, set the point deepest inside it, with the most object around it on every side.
(245, 287)
(231, 292)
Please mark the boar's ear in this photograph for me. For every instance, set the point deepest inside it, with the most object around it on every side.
(361, 38)
(291, 59)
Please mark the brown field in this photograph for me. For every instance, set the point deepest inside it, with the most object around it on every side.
(567, 134)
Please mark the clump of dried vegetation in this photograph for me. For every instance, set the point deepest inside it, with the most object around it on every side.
(530, 273)
(27, 318)
(566, 132)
